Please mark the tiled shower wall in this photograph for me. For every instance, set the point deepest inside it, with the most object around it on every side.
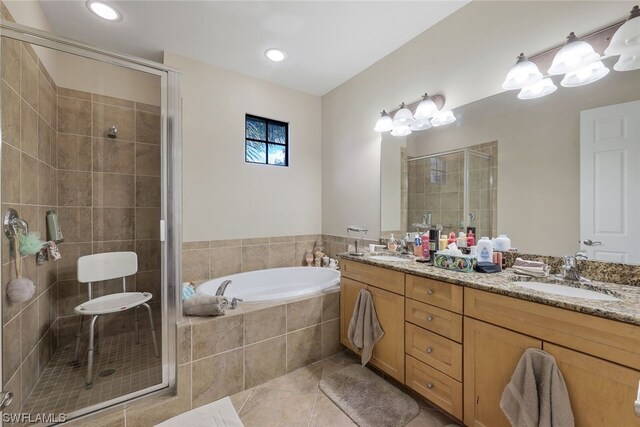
(28, 185)
(108, 199)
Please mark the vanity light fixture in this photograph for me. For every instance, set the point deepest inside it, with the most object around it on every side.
(275, 55)
(402, 130)
(104, 10)
(627, 63)
(426, 109)
(403, 117)
(626, 43)
(524, 73)
(538, 90)
(586, 75)
(384, 123)
(442, 118)
(575, 55)
(420, 124)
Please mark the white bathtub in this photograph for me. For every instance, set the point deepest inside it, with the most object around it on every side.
(275, 284)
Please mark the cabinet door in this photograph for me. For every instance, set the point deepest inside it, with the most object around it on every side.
(601, 393)
(490, 357)
(388, 353)
(349, 290)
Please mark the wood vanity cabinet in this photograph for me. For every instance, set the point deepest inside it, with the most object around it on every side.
(387, 290)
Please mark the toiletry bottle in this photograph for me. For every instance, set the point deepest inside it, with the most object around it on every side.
(392, 245)
(425, 245)
(485, 250)
(502, 243)
(471, 241)
(461, 241)
(443, 243)
(452, 238)
(417, 246)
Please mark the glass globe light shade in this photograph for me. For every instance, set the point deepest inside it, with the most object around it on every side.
(403, 116)
(443, 118)
(426, 109)
(524, 73)
(402, 130)
(586, 75)
(420, 124)
(384, 123)
(628, 63)
(574, 55)
(626, 40)
(538, 90)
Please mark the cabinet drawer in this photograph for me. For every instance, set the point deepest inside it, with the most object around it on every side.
(434, 292)
(435, 386)
(439, 352)
(382, 278)
(435, 319)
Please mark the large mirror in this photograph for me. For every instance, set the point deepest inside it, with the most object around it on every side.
(556, 174)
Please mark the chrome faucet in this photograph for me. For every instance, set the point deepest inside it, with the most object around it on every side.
(357, 229)
(223, 287)
(571, 269)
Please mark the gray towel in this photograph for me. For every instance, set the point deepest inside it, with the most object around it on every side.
(205, 305)
(537, 395)
(364, 328)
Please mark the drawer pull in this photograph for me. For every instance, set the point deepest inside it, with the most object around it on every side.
(429, 292)
(429, 318)
(429, 386)
(429, 349)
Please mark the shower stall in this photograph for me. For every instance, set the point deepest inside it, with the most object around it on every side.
(454, 189)
(90, 165)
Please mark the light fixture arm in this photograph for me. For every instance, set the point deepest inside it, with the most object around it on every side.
(438, 99)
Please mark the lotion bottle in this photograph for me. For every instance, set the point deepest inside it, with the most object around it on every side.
(485, 250)
(392, 245)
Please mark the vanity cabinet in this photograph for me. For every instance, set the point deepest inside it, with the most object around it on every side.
(387, 290)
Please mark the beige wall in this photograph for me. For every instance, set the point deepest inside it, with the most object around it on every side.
(224, 197)
(465, 57)
(391, 183)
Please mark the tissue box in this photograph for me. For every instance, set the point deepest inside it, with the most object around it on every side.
(462, 263)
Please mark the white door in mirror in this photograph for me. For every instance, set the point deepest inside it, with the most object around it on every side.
(609, 182)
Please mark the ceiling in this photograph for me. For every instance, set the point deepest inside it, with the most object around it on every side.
(327, 42)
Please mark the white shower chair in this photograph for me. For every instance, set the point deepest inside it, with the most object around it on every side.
(107, 266)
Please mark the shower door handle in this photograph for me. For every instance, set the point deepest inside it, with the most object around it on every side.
(5, 399)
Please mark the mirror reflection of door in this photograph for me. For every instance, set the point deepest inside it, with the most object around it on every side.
(610, 182)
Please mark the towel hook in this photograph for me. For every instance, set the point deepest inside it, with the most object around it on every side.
(12, 223)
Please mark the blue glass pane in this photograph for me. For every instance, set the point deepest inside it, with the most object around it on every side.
(256, 152)
(277, 155)
(277, 133)
(255, 129)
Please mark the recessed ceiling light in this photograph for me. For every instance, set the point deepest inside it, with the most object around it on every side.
(104, 10)
(275, 55)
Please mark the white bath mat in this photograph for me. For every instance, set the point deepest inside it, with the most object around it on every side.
(220, 413)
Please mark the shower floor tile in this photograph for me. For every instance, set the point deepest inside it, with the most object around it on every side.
(61, 387)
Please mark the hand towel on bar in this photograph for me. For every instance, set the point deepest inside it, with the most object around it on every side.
(531, 268)
(364, 328)
(537, 394)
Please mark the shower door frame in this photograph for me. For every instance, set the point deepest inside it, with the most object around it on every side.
(171, 191)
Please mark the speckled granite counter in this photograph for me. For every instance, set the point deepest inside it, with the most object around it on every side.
(627, 309)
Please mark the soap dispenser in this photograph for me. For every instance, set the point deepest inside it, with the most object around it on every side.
(392, 245)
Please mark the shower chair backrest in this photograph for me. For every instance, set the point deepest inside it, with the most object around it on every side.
(107, 266)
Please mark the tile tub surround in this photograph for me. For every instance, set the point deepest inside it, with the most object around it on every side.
(626, 310)
(250, 346)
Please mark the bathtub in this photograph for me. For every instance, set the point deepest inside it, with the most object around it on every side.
(275, 284)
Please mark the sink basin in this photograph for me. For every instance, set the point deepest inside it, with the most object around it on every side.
(389, 258)
(566, 291)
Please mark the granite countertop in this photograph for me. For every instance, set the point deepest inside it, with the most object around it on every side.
(627, 309)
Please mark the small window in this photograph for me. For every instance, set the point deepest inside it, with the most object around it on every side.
(266, 141)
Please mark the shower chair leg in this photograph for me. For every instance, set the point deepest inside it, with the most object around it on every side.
(135, 324)
(89, 382)
(153, 330)
(76, 350)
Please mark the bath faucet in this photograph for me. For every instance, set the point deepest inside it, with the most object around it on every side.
(223, 287)
(571, 269)
(357, 229)
(234, 303)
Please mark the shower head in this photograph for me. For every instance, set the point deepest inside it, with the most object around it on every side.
(113, 132)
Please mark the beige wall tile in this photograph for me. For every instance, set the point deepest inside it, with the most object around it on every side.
(28, 129)
(263, 324)
(330, 306)
(214, 336)
(10, 174)
(28, 179)
(301, 251)
(225, 243)
(44, 97)
(147, 191)
(195, 265)
(74, 152)
(304, 347)
(72, 93)
(184, 342)
(44, 141)
(282, 239)
(113, 224)
(10, 115)
(225, 261)
(30, 372)
(148, 108)
(147, 127)
(12, 345)
(255, 241)
(147, 223)
(282, 255)
(264, 361)
(301, 314)
(331, 338)
(115, 156)
(147, 159)
(11, 52)
(194, 245)
(102, 99)
(74, 188)
(217, 376)
(113, 190)
(149, 281)
(30, 332)
(74, 116)
(148, 254)
(255, 257)
(29, 79)
(104, 116)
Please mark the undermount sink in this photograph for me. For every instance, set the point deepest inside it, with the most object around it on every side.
(566, 291)
(389, 258)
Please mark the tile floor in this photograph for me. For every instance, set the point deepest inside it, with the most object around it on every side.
(61, 387)
(295, 400)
